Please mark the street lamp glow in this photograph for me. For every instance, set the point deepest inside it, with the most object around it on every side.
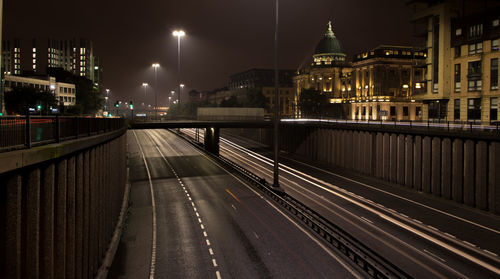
(155, 65)
(182, 85)
(173, 92)
(179, 33)
(145, 84)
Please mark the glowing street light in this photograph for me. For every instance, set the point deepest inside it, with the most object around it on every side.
(145, 85)
(179, 34)
(155, 67)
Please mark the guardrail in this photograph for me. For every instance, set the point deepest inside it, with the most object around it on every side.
(456, 126)
(368, 260)
(17, 132)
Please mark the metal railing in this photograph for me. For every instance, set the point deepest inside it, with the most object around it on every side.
(365, 258)
(473, 126)
(17, 132)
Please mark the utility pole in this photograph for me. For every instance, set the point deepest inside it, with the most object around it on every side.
(276, 184)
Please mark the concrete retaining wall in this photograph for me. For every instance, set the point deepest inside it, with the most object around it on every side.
(460, 169)
(59, 205)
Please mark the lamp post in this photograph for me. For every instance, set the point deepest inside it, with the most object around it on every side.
(179, 34)
(145, 85)
(155, 67)
(106, 98)
(276, 184)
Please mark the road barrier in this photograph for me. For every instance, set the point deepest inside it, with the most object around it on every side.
(17, 132)
(60, 203)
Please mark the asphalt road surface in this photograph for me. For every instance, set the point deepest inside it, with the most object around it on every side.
(425, 236)
(189, 218)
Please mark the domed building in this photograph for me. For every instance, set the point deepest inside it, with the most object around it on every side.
(329, 73)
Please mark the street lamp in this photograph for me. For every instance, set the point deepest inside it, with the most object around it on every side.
(145, 85)
(179, 34)
(107, 96)
(155, 67)
(276, 184)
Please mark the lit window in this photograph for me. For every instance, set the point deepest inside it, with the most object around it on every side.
(458, 32)
(495, 22)
(34, 49)
(494, 44)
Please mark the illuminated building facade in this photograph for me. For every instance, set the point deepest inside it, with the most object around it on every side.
(35, 56)
(384, 81)
(329, 73)
(462, 42)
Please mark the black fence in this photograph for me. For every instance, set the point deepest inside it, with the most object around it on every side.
(18, 132)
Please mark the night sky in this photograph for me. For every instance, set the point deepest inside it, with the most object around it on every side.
(223, 36)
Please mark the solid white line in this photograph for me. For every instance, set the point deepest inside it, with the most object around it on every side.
(153, 209)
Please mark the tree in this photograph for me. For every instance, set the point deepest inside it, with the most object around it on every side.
(230, 103)
(20, 99)
(255, 98)
(310, 102)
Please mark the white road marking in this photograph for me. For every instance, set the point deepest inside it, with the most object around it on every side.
(256, 235)
(218, 274)
(214, 262)
(153, 208)
(439, 258)
(234, 207)
(367, 220)
(205, 234)
(199, 220)
(211, 251)
(208, 242)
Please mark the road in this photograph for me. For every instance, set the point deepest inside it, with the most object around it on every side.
(189, 218)
(425, 236)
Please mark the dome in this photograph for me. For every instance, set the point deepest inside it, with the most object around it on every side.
(329, 49)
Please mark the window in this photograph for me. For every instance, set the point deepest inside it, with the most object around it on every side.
(60, 89)
(474, 76)
(370, 111)
(65, 90)
(458, 51)
(474, 109)
(405, 111)
(363, 111)
(418, 112)
(476, 31)
(495, 22)
(457, 77)
(494, 44)
(393, 111)
(458, 32)
(494, 74)
(494, 108)
(475, 48)
(456, 109)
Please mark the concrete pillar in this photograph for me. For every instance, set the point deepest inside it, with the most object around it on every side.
(338, 147)
(400, 177)
(211, 140)
(436, 166)
(330, 146)
(408, 161)
(426, 165)
(60, 220)
(343, 139)
(79, 216)
(371, 159)
(13, 228)
(379, 155)
(494, 178)
(47, 215)
(31, 247)
(355, 150)
(417, 164)
(469, 189)
(482, 175)
(93, 213)
(86, 273)
(386, 155)
(446, 165)
(393, 161)
(457, 171)
(70, 218)
(349, 150)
